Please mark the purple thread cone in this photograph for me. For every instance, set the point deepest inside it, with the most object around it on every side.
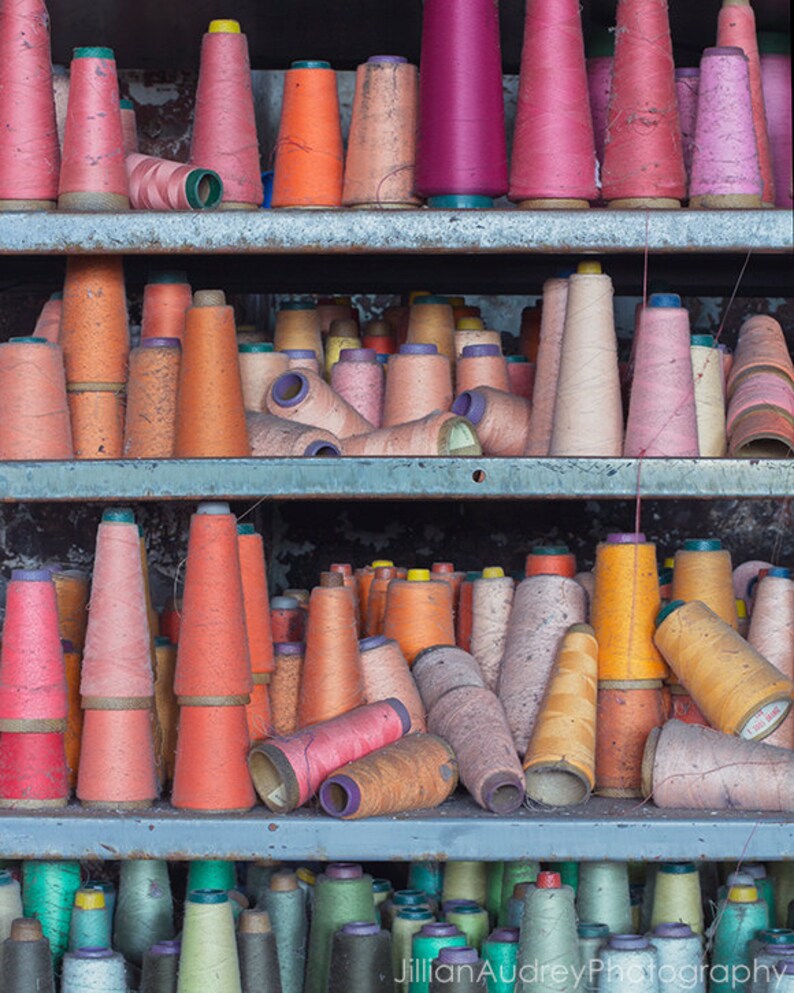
(725, 157)
(687, 82)
(461, 146)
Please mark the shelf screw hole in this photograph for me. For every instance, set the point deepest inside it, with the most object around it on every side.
(478, 476)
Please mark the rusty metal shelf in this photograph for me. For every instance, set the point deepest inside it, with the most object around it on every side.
(602, 829)
(373, 232)
(395, 478)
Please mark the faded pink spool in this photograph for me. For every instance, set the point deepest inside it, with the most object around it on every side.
(553, 147)
(501, 419)
(481, 365)
(662, 420)
(303, 358)
(520, 376)
(725, 167)
(552, 325)
(304, 397)
(760, 390)
(492, 602)
(358, 378)
(599, 84)
(687, 81)
(418, 381)
(776, 79)
(461, 149)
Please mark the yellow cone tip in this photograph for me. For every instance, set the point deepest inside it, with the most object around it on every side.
(589, 269)
(224, 26)
(493, 572)
(418, 575)
(90, 900)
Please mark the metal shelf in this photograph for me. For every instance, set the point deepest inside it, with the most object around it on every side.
(373, 232)
(395, 478)
(602, 829)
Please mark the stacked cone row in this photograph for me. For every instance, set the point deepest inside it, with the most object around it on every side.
(426, 379)
(407, 141)
(340, 691)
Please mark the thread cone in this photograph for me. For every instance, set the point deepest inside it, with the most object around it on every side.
(251, 550)
(117, 766)
(211, 773)
(33, 771)
(94, 333)
(150, 425)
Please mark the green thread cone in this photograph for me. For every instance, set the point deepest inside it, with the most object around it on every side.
(48, 890)
(500, 954)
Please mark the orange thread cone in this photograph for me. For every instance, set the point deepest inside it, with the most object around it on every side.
(71, 595)
(97, 418)
(376, 603)
(165, 708)
(298, 326)
(32, 680)
(34, 416)
(93, 170)
(150, 424)
(94, 332)
(309, 150)
(117, 767)
(29, 151)
(117, 670)
(213, 662)
(331, 683)
(48, 323)
(224, 126)
(210, 416)
(167, 298)
(211, 771)
(285, 687)
(419, 613)
(74, 719)
(431, 322)
(251, 550)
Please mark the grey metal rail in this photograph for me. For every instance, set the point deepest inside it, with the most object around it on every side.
(602, 829)
(395, 478)
(372, 232)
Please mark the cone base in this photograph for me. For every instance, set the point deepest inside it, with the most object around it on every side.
(629, 684)
(725, 201)
(234, 205)
(117, 804)
(93, 201)
(651, 203)
(10, 205)
(214, 701)
(622, 794)
(384, 205)
(556, 783)
(565, 203)
(39, 726)
(307, 206)
(116, 703)
(9, 803)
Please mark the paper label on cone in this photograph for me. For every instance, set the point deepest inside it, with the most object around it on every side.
(765, 720)
(278, 797)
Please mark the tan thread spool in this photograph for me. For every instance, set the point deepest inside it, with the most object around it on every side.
(418, 382)
(431, 322)
(689, 766)
(277, 437)
(438, 433)
(709, 397)
(305, 397)
(588, 415)
(703, 571)
(479, 335)
(386, 675)
(735, 688)
(500, 418)
(258, 369)
(552, 324)
(544, 607)
(772, 635)
(492, 602)
(624, 607)
(560, 761)
(443, 668)
(298, 326)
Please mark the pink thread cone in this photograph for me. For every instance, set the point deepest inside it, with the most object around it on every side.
(643, 158)
(776, 77)
(117, 759)
(599, 84)
(687, 82)
(32, 675)
(725, 169)
(461, 146)
(117, 658)
(29, 150)
(553, 146)
(662, 421)
(33, 770)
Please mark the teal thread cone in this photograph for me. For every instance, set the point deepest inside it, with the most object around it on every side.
(500, 955)
(515, 873)
(109, 891)
(212, 874)
(548, 937)
(495, 881)
(48, 890)
(743, 915)
(426, 946)
(569, 873)
(144, 908)
(427, 877)
(285, 901)
(90, 925)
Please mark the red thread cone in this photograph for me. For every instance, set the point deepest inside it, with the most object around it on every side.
(93, 170)
(29, 152)
(553, 148)
(211, 760)
(166, 301)
(257, 608)
(117, 658)
(117, 759)
(32, 675)
(643, 158)
(224, 126)
(213, 661)
(33, 770)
